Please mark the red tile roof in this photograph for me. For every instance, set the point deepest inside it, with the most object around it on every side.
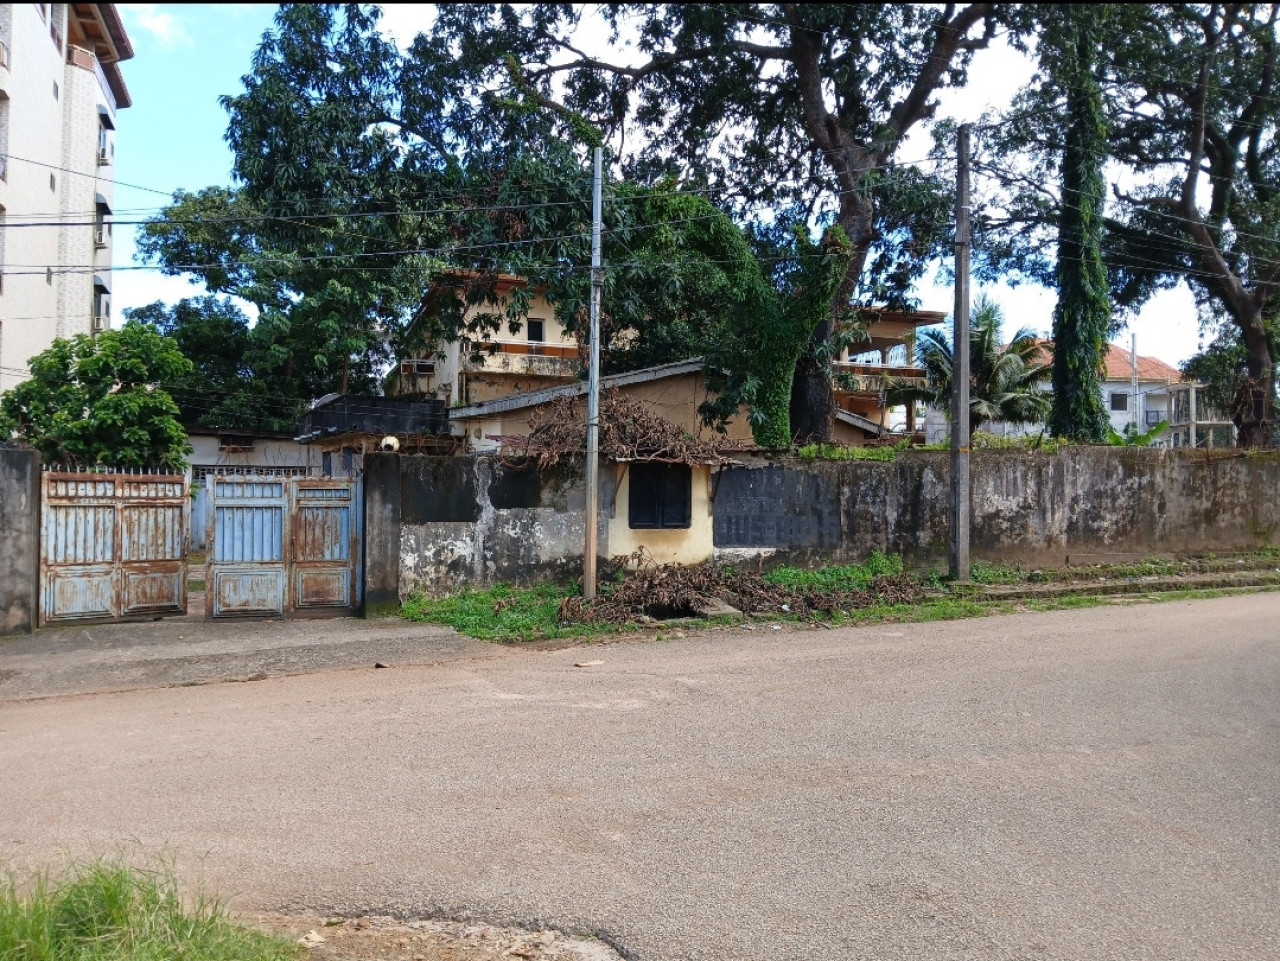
(1117, 364)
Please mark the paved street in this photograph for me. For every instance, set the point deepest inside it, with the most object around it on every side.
(1091, 784)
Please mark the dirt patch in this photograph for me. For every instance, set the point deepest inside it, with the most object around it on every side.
(392, 939)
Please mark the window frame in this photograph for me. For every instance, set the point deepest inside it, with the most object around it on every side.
(667, 489)
(542, 330)
(1116, 394)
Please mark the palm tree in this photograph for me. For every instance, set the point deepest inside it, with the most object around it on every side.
(1007, 382)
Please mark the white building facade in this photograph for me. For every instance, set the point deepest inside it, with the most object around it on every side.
(60, 89)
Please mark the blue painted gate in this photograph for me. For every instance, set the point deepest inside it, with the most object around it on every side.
(113, 545)
(283, 546)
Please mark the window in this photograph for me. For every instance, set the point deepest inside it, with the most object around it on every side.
(55, 90)
(101, 226)
(53, 183)
(537, 331)
(1119, 401)
(661, 496)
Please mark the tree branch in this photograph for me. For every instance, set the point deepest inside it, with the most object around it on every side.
(950, 38)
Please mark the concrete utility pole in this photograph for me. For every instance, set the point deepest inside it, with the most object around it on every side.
(593, 391)
(1136, 398)
(959, 556)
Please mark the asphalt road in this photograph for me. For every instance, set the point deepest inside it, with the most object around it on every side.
(1092, 784)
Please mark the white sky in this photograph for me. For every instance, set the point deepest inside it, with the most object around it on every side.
(172, 137)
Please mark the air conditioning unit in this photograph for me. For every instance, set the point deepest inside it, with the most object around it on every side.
(101, 322)
(100, 237)
(103, 158)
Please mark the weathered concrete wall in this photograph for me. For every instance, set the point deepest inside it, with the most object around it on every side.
(1026, 508)
(472, 521)
(381, 533)
(19, 540)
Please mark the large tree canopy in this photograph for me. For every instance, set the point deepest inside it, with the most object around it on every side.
(369, 181)
(1190, 101)
(774, 104)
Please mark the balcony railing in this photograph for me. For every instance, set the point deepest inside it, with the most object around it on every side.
(521, 356)
(871, 378)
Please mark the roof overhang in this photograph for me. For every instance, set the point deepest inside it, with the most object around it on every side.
(535, 398)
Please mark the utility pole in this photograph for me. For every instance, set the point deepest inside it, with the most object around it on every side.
(1135, 406)
(959, 555)
(593, 391)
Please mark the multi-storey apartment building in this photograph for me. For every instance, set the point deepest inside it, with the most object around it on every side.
(60, 89)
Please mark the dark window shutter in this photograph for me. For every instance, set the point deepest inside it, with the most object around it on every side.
(645, 501)
(677, 500)
(661, 496)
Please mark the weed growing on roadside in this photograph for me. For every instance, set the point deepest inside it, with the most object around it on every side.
(501, 613)
(111, 912)
(842, 577)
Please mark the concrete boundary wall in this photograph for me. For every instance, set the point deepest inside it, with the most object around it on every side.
(434, 524)
(1026, 508)
(19, 540)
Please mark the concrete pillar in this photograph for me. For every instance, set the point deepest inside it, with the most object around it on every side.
(19, 540)
(381, 533)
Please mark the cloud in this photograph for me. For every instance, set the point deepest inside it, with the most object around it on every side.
(161, 24)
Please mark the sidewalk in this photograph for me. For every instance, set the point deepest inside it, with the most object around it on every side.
(192, 650)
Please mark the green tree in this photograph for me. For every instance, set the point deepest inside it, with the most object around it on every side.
(238, 376)
(1196, 120)
(1007, 380)
(1223, 366)
(97, 400)
(1193, 114)
(770, 105)
(1083, 313)
(343, 160)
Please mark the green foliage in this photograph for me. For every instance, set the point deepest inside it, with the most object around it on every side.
(501, 613)
(842, 577)
(95, 401)
(238, 377)
(837, 452)
(1132, 438)
(1037, 443)
(757, 367)
(110, 912)
(1083, 312)
(1007, 380)
(996, 572)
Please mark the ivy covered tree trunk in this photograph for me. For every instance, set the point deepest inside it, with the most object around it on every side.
(813, 402)
(1255, 406)
(1083, 313)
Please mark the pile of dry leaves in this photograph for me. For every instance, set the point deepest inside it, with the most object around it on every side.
(673, 591)
(628, 431)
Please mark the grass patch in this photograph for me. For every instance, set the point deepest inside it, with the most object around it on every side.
(110, 912)
(842, 577)
(996, 573)
(937, 609)
(502, 613)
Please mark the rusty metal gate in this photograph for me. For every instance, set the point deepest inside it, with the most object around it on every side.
(283, 546)
(112, 546)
